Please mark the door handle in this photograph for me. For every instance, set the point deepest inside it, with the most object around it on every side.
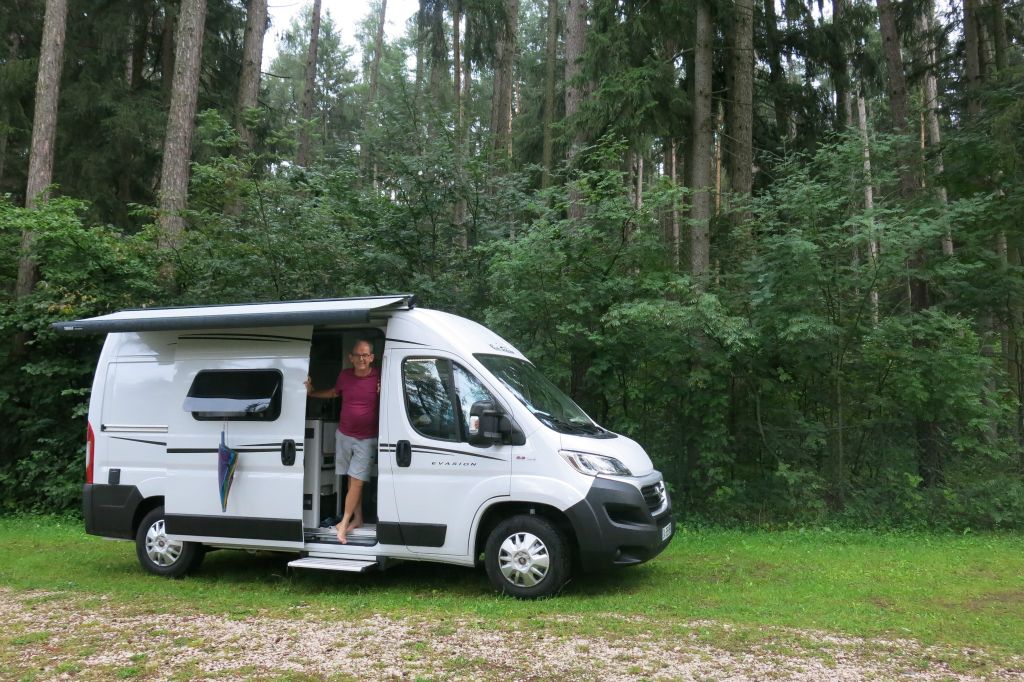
(403, 453)
(287, 452)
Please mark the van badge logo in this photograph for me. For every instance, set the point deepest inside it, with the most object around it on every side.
(502, 348)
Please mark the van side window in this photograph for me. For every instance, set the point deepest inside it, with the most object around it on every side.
(428, 397)
(235, 395)
(439, 395)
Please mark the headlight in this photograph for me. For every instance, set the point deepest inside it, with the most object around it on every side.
(592, 465)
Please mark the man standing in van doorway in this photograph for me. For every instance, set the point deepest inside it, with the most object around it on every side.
(356, 438)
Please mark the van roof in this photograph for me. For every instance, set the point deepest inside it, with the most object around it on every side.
(353, 310)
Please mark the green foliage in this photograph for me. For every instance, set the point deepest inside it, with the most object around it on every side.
(84, 271)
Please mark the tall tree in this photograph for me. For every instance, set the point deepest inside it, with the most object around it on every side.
(252, 62)
(926, 29)
(702, 142)
(741, 99)
(930, 466)
(549, 92)
(972, 56)
(44, 130)
(308, 89)
(575, 46)
(174, 174)
(504, 72)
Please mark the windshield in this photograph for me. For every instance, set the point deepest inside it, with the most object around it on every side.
(552, 407)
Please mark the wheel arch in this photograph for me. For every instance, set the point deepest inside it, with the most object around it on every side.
(147, 505)
(496, 513)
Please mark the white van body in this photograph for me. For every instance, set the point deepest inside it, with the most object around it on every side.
(534, 492)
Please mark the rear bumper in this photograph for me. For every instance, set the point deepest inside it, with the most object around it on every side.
(615, 526)
(109, 510)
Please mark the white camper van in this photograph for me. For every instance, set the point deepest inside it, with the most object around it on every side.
(480, 457)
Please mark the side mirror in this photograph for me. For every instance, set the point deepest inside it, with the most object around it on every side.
(484, 423)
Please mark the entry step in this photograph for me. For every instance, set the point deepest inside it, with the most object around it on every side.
(349, 565)
(364, 536)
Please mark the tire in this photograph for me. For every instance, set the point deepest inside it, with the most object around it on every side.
(527, 557)
(160, 556)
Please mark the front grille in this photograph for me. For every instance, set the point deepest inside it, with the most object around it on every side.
(654, 496)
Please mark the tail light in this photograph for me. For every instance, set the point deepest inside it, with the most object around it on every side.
(90, 453)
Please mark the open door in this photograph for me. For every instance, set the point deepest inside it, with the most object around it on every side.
(246, 388)
(438, 480)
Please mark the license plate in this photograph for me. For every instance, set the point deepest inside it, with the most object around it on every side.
(666, 532)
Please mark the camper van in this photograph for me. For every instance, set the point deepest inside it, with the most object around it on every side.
(481, 459)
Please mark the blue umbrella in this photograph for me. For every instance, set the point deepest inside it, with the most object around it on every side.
(226, 461)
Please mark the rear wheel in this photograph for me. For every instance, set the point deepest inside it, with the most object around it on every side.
(160, 555)
(527, 557)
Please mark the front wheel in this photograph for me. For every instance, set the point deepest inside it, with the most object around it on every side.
(527, 557)
(160, 555)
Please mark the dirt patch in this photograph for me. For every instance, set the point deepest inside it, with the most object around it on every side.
(53, 638)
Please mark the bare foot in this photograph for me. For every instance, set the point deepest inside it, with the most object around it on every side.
(357, 523)
(340, 529)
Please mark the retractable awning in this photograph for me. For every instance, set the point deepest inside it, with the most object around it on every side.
(281, 314)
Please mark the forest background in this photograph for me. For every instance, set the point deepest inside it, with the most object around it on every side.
(779, 243)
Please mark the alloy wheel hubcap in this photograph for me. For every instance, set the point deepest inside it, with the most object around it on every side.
(161, 550)
(523, 559)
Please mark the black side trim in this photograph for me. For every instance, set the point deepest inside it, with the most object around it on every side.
(444, 451)
(389, 533)
(109, 510)
(412, 534)
(244, 527)
(429, 449)
(414, 343)
(181, 451)
(139, 440)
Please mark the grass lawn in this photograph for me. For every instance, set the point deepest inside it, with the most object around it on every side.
(960, 591)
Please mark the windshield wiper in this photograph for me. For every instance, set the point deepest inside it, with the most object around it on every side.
(565, 424)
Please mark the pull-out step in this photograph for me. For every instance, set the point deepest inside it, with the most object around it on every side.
(365, 536)
(325, 564)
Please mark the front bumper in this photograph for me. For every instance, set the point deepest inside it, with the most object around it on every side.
(616, 525)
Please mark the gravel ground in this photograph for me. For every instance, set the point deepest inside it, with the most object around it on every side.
(46, 636)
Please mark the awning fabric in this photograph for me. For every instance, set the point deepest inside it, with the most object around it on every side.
(278, 314)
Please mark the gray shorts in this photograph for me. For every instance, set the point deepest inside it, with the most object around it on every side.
(356, 457)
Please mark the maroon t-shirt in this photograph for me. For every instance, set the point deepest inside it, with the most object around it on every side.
(360, 403)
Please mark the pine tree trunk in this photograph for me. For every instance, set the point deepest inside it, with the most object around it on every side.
(869, 200)
(776, 74)
(309, 89)
(501, 102)
(997, 17)
(142, 16)
(575, 45)
(972, 57)
(168, 28)
(549, 94)
(5, 112)
(44, 131)
(181, 121)
(702, 134)
(741, 95)
(931, 116)
(252, 64)
(930, 466)
(841, 71)
(370, 113)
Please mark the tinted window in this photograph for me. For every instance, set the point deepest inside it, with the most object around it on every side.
(236, 395)
(439, 395)
(428, 400)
